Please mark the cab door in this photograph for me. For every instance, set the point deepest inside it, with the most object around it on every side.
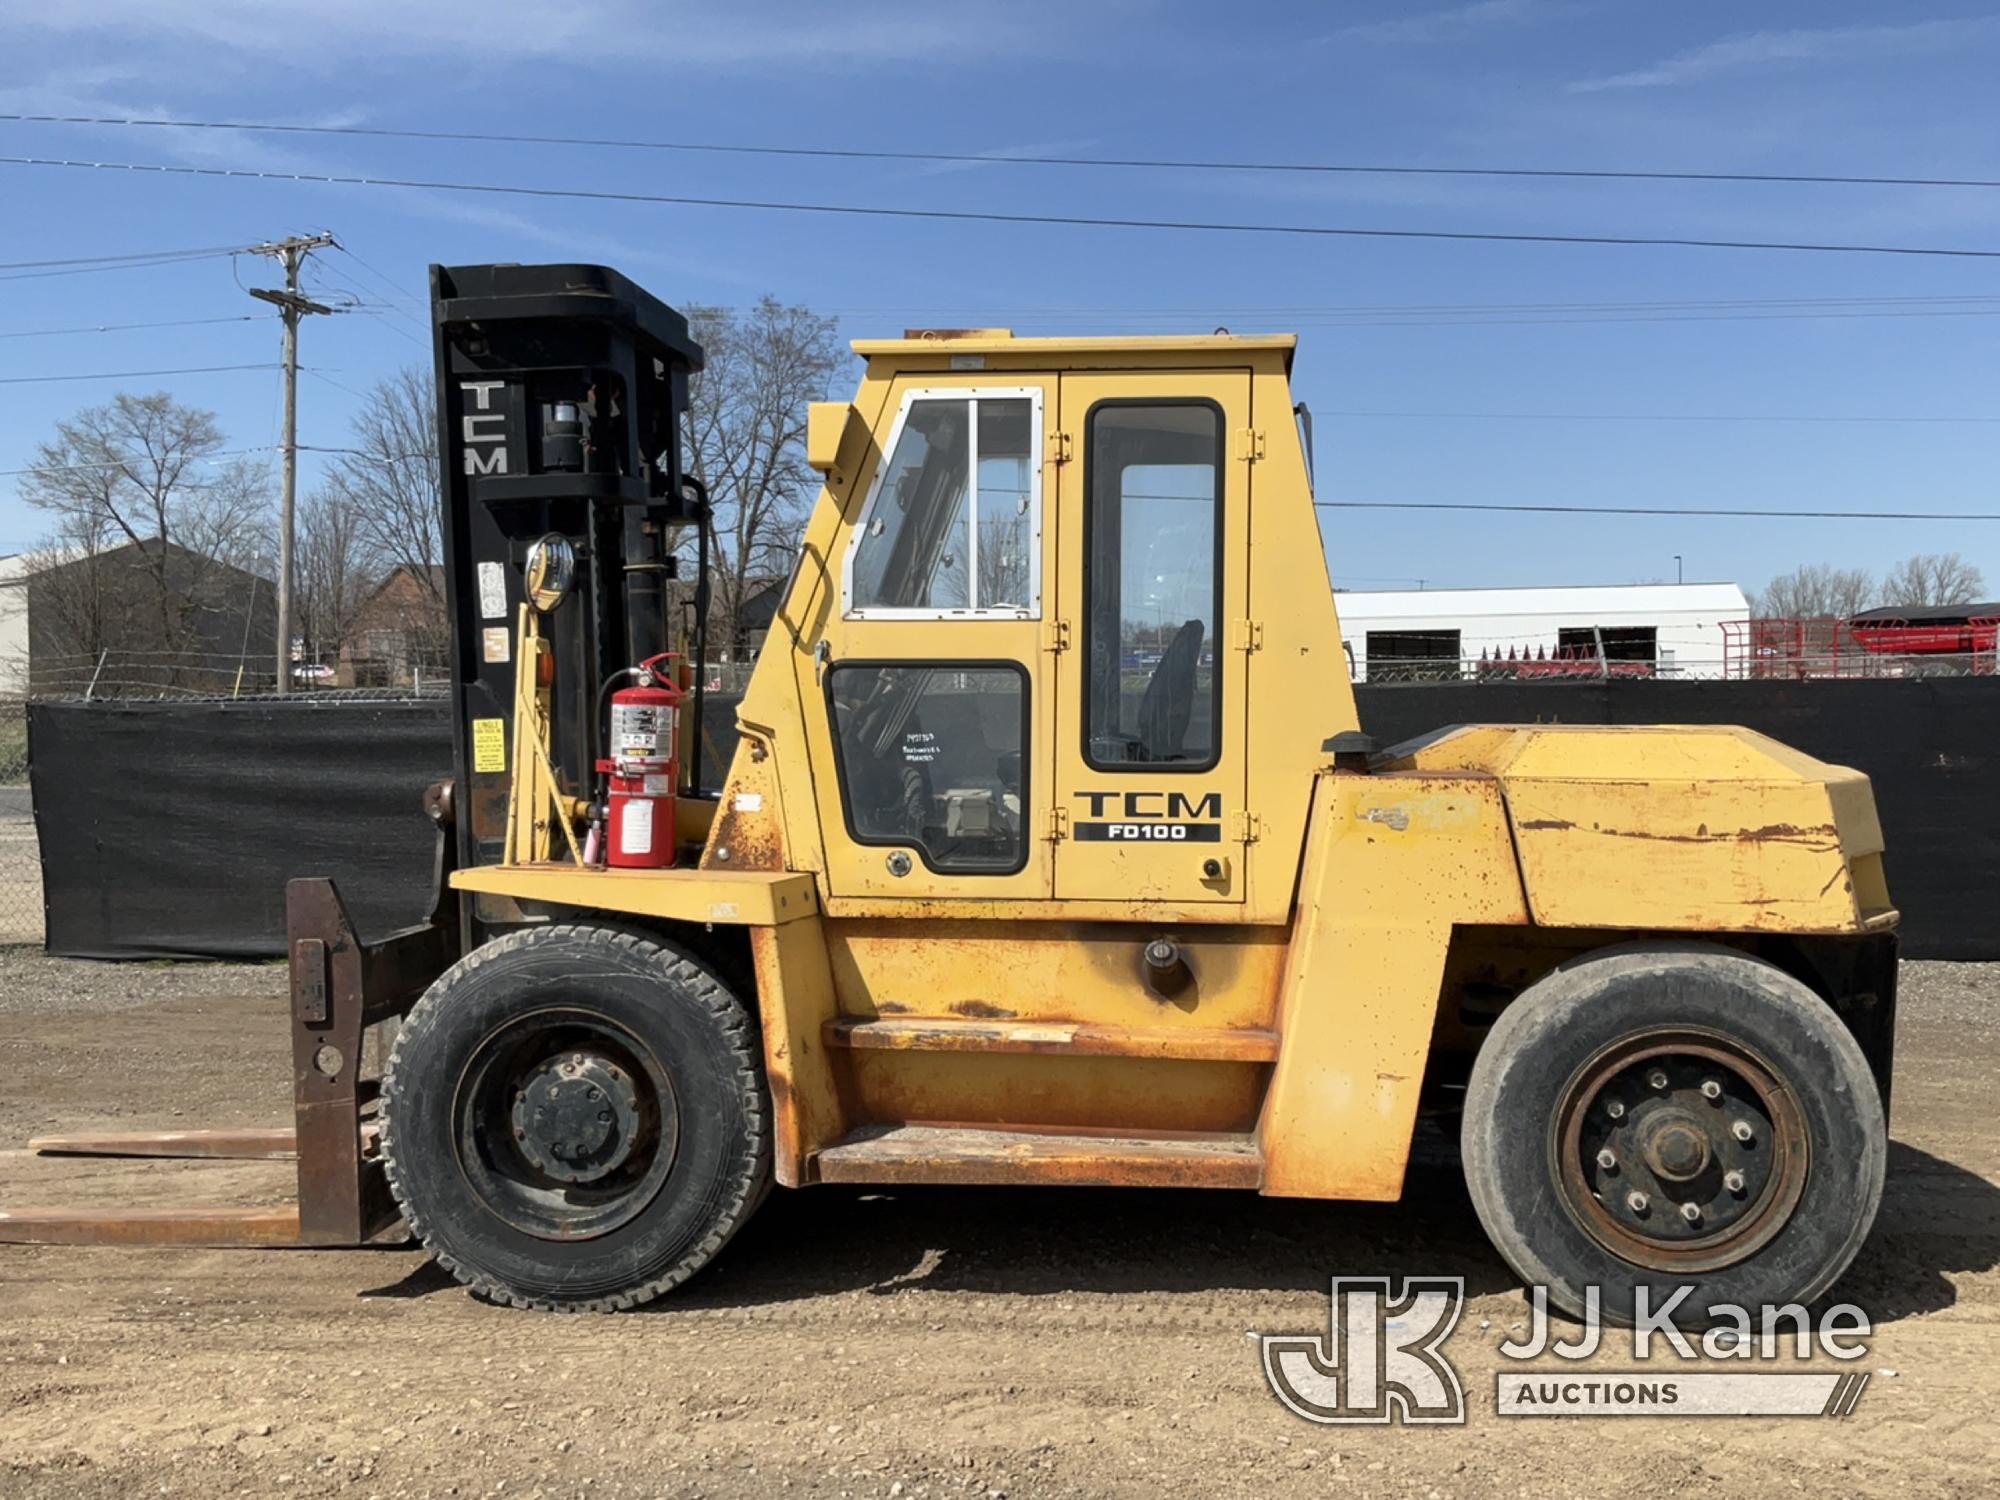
(1153, 533)
(927, 702)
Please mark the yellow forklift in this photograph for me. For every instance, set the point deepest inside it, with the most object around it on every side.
(1050, 851)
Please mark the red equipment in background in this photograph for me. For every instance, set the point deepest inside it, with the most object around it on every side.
(643, 768)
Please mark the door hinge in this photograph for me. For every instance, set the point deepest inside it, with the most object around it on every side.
(1250, 443)
(1058, 636)
(1058, 448)
(1245, 827)
(1058, 824)
(1246, 635)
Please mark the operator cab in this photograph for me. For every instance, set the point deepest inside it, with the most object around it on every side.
(1028, 619)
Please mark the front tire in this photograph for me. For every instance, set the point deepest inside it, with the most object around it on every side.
(1674, 1115)
(575, 1118)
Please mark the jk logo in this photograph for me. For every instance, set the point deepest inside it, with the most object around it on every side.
(1381, 1362)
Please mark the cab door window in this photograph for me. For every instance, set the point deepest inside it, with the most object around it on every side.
(1152, 540)
(953, 526)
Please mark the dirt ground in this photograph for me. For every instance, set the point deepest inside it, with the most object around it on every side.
(871, 1343)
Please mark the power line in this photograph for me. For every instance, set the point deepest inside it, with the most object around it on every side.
(1598, 416)
(119, 464)
(1657, 510)
(989, 159)
(32, 270)
(140, 255)
(133, 374)
(329, 380)
(1461, 315)
(396, 287)
(49, 333)
(982, 216)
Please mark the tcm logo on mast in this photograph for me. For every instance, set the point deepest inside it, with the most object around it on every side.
(1381, 1362)
(484, 429)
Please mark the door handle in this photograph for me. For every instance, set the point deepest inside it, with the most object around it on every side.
(822, 654)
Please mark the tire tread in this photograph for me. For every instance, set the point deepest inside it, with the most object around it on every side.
(689, 978)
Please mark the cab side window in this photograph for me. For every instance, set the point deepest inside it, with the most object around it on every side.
(931, 757)
(953, 526)
(1153, 585)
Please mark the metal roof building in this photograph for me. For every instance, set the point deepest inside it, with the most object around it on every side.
(1628, 630)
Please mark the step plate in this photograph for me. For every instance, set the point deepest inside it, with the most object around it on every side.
(957, 1154)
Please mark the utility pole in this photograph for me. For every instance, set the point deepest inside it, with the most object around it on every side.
(291, 253)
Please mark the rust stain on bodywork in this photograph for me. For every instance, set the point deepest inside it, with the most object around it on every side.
(980, 1010)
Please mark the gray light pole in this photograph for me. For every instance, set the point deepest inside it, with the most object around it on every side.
(292, 254)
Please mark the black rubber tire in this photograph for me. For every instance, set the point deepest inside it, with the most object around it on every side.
(1542, 1039)
(702, 1035)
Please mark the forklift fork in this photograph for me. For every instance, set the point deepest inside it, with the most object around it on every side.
(339, 988)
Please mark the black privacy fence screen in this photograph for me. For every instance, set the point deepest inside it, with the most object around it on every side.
(170, 829)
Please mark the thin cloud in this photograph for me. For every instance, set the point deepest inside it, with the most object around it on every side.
(1432, 28)
(795, 35)
(1755, 50)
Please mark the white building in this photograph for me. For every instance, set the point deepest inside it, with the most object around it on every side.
(1663, 629)
(14, 572)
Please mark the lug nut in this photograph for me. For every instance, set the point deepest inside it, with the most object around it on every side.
(1742, 1131)
(1691, 1212)
(1657, 1079)
(1637, 1202)
(1607, 1158)
(1733, 1181)
(1615, 1109)
(1710, 1089)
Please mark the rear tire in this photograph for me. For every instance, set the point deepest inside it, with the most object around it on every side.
(1673, 1115)
(575, 1118)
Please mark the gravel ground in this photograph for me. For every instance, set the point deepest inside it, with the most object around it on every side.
(990, 1343)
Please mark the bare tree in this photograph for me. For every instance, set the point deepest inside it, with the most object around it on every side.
(389, 482)
(142, 470)
(1815, 591)
(1933, 578)
(336, 563)
(746, 440)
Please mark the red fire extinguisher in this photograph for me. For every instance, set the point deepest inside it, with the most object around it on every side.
(643, 768)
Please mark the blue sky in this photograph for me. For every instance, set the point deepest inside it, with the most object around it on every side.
(1818, 88)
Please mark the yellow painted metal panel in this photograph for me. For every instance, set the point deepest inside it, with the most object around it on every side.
(1052, 1039)
(680, 895)
(1392, 865)
(1052, 971)
(1030, 1090)
(795, 997)
(827, 427)
(855, 869)
(1121, 796)
(1682, 855)
(1189, 349)
(1678, 828)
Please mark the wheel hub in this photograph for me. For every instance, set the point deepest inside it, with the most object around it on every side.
(1679, 1150)
(1674, 1149)
(576, 1117)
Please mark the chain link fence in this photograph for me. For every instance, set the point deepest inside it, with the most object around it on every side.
(20, 855)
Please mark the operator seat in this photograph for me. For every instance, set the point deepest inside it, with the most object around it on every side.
(1168, 704)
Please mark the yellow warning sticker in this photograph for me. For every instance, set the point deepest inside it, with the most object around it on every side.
(489, 745)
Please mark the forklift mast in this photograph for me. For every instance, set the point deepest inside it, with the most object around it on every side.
(560, 394)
